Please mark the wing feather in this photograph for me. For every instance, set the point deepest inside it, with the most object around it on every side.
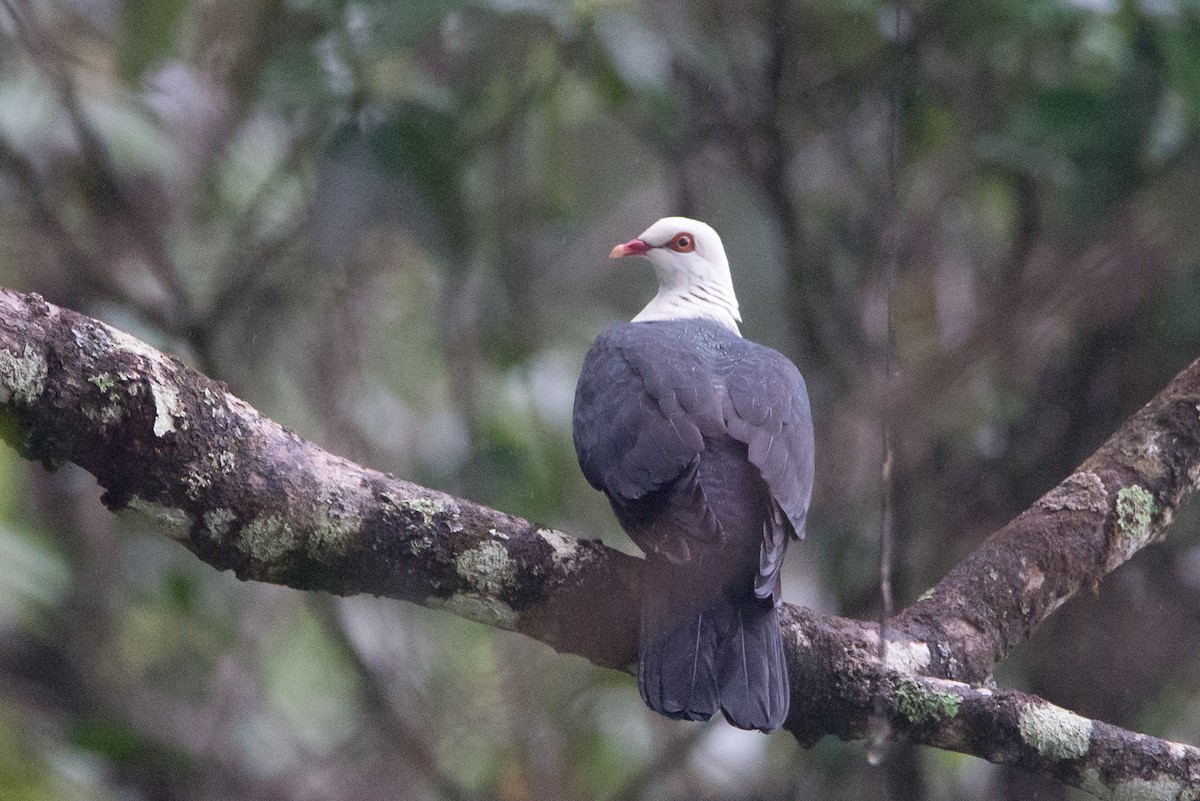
(767, 408)
(643, 405)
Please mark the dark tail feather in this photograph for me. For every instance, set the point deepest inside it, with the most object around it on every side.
(752, 670)
(729, 657)
(677, 670)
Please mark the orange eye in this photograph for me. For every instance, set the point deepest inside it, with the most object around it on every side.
(682, 243)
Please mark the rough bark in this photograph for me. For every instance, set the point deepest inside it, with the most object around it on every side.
(245, 494)
(1122, 498)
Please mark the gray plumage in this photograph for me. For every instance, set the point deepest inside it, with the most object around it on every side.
(703, 443)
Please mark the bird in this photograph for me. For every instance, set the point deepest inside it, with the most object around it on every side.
(702, 442)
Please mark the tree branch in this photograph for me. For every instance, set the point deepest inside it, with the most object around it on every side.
(245, 494)
(1122, 498)
(838, 686)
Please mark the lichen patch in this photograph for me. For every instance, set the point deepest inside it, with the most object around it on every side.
(431, 509)
(195, 482)
(1161, 789)
(487, 568)
(1133, 530)
(217, 523)
(1054, 732)
(175, 523)
(103, 381)
(566, 549)
(22, 376)
(335, 528)
(905, 656)
(920, 705)
(909, 657)
(167, 406)
(427, 507)
(482, 609)
(266, 539)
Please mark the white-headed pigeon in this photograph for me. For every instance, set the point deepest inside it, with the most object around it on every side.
(703, 443)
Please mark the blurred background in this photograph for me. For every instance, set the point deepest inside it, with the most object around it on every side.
(385, 224)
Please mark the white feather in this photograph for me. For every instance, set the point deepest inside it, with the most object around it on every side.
(692, 284)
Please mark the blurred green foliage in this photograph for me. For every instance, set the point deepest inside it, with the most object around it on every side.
(385, 224)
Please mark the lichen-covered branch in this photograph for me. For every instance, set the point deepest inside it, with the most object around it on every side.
(246, 494)
(1007, 727)
(839, 688)
(1118, 501)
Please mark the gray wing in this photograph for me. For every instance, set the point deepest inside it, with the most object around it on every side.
(643, 405)
(766, 407)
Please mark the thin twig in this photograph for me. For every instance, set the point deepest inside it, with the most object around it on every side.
(890, 268)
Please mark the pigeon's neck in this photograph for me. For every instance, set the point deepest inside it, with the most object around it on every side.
(683, 296)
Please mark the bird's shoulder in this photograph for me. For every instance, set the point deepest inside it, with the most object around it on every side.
(647, 397)
(670, 361)
(696, 339)
(695, 364)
